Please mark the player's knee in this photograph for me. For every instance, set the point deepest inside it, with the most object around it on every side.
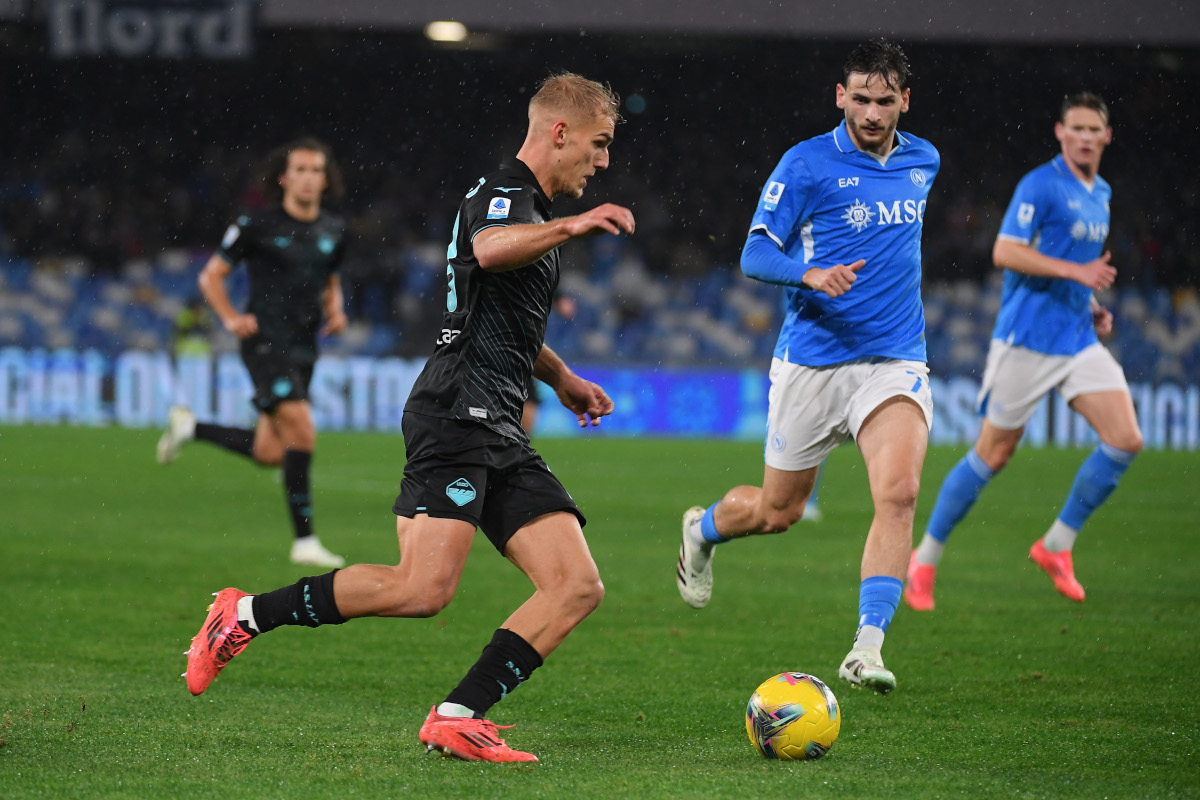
(902, 493)
(268, 455)
(778, 520)
(1130, 442)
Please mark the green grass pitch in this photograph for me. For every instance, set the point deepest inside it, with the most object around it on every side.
(1007, 690)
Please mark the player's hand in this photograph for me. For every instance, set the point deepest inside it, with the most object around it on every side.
(242, 326)
(1102, 321)
(607, 218)
(335, 323)
(836, 280)
(1098, 274)
(585, 399)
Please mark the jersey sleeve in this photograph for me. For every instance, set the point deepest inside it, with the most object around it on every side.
(238, 240)
(1026, 211)
(497, 204)
(786, 200)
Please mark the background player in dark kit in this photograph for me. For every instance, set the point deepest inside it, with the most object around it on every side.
(292, 251)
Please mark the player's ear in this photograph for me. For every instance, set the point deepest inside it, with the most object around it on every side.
(840, 94)
(1108, 135)
(559, 130)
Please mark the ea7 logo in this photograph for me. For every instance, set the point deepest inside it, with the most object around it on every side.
(448, 336)
(844, 182)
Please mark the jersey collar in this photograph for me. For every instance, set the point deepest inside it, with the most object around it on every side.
(841, 138)
(519, 169)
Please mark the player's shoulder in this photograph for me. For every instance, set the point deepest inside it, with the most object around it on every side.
(331, 221)
(919, 146)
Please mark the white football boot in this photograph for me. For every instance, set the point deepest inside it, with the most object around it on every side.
(181, 428)
(693, 576)
(865, 668)
(309, 550)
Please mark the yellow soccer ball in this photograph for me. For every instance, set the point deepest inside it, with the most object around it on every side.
(793, 716)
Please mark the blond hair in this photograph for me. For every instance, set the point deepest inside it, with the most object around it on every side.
(569, 92)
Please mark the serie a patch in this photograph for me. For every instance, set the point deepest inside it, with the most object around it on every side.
(499, 208)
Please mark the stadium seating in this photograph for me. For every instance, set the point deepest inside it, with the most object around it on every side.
(624, 313)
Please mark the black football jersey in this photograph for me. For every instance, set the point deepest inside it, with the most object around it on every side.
(494, 323)
(289, 263)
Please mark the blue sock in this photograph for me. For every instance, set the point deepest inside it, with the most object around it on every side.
(708, 528)
(1094, 482)
(959, 492)
(878, 597)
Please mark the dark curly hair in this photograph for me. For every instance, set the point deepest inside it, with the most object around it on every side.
(276, 162)
(878, 57)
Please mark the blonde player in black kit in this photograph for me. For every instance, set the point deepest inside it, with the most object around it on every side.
(292, 251)
(469, 460)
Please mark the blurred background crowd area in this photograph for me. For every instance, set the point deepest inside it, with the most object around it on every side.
(117, 179)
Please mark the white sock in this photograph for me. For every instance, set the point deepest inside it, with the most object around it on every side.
(454, 710)
(245, 612)
(869, 637)
(929, 551)
(1060, 537)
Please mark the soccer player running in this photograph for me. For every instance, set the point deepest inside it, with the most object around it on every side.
(469, 461)
(839, 224)
(292, 251)
(1051, 246)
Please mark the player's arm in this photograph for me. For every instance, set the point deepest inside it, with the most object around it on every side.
(333, 302)
(1096, 274)
(212, 286)
(586, 399)
(763, 260)
(501, 248)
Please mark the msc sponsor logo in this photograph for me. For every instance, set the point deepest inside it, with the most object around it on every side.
(858, 215)
(908, 212)
(900, 212)
(1092, 231)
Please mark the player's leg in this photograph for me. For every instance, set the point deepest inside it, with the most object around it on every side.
(812, 508)
(432, 557)
(1095, 387)
(893, 440)
(1014, 382)
(960, 489)
(182, 428)
(1112, 414)
(743, 511)
(293, 431)
(533, 521)
(805, 421)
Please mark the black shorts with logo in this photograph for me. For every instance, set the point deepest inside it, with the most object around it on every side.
(464, 470)
(275, 376)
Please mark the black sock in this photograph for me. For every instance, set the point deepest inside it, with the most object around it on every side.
(237, 440)
(506, 663)
(296, 485)
(308, 601)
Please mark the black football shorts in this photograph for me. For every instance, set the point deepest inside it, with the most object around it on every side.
(276, 377)
(464, 470)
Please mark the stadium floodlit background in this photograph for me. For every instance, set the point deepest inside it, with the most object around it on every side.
(129, 145)
(128, 135)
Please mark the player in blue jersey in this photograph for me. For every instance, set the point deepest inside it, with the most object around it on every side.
(839, 224)
(1051, 246)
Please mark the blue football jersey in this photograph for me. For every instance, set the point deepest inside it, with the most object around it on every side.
(1054, 213)
(829, 203)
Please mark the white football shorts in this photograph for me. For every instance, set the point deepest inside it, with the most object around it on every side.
(811, 410)
(1016, 379)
